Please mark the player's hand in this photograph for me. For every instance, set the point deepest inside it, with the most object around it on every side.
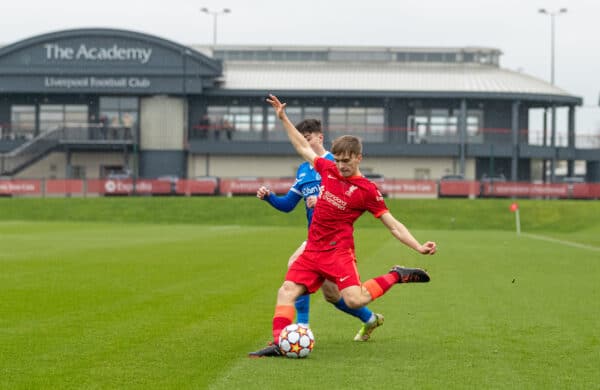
(429, 248)
(311, 202)
(277, 105)
(262, 192)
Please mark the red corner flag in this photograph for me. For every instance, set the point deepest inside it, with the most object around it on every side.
(514, 207)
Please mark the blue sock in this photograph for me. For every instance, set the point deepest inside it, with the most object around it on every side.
(363, 313)
(302, 306)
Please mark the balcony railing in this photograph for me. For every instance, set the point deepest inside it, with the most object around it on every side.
(216, 133)
(36, 147)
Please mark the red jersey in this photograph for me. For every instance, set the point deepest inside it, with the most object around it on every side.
(341, 201)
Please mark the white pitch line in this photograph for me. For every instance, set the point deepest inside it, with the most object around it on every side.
(569, 243)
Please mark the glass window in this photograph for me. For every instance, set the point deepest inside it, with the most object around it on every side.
(276, 132)
(76, 113)
(468, 57)
(22, 122)
(474, 123)
(313, 112)
(366, 123)
(257, 119)
(292, 56)
(422, 174)
(277, 56)
(417, 57)
(240, 123)
(248, 121)
(441, 126)
(108, 103)
(119, 112)
(78, 172)
(296, 115)
(247, 56)
(52, 116)
(435, 57)
(263, 55)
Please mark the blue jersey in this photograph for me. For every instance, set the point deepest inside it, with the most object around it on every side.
(308, 182)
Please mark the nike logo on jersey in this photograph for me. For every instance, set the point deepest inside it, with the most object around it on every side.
(344, 278)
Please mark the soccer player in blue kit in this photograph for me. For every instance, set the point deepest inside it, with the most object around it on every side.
(307, 187)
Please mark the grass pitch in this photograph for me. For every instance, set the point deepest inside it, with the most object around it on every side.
(170, 305)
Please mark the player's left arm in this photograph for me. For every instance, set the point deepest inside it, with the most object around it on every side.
(403, 235)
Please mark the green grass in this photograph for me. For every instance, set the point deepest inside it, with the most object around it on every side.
(451, 214)
(177, 300)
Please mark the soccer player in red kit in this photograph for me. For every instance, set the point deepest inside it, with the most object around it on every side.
(329, 254)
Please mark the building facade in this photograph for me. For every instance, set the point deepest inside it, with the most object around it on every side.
(91, 103)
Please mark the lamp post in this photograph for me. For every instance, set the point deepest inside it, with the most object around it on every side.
(215, 15)
(552, 15)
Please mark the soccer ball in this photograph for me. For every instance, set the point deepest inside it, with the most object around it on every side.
(296, 341)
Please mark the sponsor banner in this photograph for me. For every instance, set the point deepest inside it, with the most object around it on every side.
(206, 186)
(126, 187)
(250, 186)
(459, 188)
(64, 187)
(20, 187)
(580, 190)
(408, 187)
(509, 189)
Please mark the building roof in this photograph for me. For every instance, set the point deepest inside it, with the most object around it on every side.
(408, 71)
(381, 77)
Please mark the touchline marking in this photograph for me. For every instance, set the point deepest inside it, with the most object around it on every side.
(569, 243)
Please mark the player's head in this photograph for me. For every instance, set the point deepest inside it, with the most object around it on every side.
(312, 131)
(347, 152)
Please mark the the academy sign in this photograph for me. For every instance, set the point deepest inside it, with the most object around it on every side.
(56, 52)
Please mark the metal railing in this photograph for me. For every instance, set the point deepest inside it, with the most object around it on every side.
(28, 152)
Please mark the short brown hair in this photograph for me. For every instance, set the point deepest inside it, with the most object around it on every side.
(347, 144)
(309, 126)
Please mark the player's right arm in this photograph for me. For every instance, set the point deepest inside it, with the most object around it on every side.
(300, 144)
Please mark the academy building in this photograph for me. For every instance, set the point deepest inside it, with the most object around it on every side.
(91, 103)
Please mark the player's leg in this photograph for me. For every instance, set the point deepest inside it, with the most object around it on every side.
(332, 295)
(301, 277)
(284, 310)
(369, 319)
(357, 296)
(302, 303)
(284, 315)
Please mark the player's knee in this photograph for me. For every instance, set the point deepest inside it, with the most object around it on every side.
(288, 292)
(353, 301)
(331, 292)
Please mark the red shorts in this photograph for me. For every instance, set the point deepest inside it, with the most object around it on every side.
(311, 269)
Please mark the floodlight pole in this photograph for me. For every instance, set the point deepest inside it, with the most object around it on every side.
(552, 15)
(215, 15)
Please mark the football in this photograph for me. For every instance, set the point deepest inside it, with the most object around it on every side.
(296, 341)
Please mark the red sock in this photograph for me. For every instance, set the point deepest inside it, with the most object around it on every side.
(379, 285)
(284, 315)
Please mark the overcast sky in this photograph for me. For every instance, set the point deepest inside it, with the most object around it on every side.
(513, 26)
